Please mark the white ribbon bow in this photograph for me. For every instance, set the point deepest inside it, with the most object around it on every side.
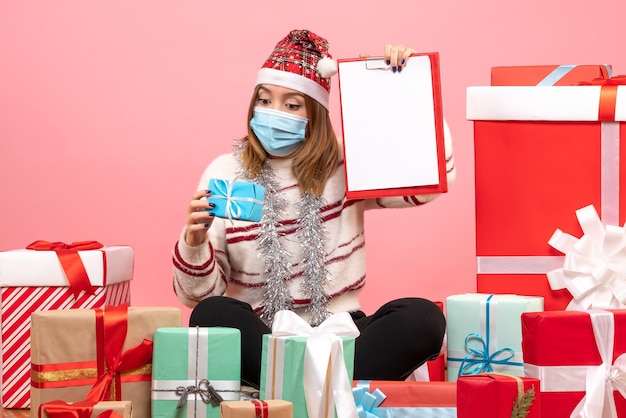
(324, 366)
(602, 380)
(594, 270)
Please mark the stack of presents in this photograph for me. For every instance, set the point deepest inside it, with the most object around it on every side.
(543, 336)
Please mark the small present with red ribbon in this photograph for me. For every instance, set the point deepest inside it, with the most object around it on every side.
(49, 276)
(256, 408)
(94, 355)
(541, 153)
(105, 409)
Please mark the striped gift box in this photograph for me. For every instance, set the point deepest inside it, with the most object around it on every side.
(35, 281)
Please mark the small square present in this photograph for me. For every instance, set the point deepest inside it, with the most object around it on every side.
(51, 276)
(575, 135)
(61, 409)
(238, 200)
(299, 363)
(579, 356)
(485, 333)
(256, 408)
(494, 395)
(396, 399)
(96, 355)
(547, 75)
(194, 369)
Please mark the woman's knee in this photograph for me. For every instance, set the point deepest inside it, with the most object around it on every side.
(217, 311)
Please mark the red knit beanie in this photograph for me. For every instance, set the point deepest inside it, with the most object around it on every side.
(301, 62)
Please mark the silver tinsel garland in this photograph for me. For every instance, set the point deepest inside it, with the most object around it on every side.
(278, 261)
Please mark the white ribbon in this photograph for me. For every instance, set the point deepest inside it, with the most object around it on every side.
(594, 269)
(324, 366)
(602, 380)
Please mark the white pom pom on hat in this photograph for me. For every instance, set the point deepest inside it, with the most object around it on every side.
(327, 67)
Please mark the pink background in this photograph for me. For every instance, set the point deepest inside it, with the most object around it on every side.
(110, 110)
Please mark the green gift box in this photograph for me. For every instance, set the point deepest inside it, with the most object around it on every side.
(485, 333)
(189, 366)
(283, 367)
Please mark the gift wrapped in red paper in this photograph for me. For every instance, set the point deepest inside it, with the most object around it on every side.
(51, 276)
(541, 153)
(494, 395)
(579, 358)
(547, 75)
(105, 409)
(396, 399)
(96, 355)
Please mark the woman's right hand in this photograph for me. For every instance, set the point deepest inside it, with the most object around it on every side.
(198, 218)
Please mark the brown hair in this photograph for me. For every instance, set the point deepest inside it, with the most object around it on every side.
(314, 162)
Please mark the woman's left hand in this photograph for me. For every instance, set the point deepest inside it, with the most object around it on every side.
(397, 56)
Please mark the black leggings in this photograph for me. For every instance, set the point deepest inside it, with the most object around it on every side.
(394, 341)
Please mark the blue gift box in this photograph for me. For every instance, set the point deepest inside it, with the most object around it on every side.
(240, 200)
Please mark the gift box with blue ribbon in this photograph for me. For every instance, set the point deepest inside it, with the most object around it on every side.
(485, 333)
(193, 370)
(236, 200)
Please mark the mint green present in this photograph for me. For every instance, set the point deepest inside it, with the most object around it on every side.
(191, 365)
(283, 365)
(485, 333)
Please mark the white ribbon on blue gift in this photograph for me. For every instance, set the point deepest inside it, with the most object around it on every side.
(487, 357)
(198, 393)
(598, 382)
(232, 209)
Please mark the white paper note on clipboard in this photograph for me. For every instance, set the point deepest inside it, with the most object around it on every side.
(392, 127)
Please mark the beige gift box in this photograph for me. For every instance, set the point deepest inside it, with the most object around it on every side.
(250, 409)
(64, 355)
(124, 408)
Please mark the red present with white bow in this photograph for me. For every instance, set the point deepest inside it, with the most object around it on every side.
(53, 276)
(579, 356)
(541, 153)
(310, 366)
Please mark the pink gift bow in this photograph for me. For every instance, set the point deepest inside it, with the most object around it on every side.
(594, 269)
(324, 350)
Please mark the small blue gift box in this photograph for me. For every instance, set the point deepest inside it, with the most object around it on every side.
(240, 200)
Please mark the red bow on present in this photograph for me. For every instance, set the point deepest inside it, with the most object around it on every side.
(111, 329)
(608, 95)
(62, 409)
(71, 262)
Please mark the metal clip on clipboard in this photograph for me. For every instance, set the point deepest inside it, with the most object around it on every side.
(376, 63)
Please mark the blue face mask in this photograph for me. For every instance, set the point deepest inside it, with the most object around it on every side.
(280, 133)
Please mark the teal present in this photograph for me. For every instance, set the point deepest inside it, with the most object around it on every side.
(485, 333)
(240, 200)
(188, 365)
(310, 367)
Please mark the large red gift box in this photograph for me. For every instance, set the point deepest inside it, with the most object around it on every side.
(576, 354)
(547, 75)
(541, 153)
(39, 280)
(493, 395)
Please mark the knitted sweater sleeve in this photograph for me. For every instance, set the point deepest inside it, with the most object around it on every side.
(406, 201)
(202, 271)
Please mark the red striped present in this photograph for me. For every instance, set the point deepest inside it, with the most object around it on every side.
(39, 280)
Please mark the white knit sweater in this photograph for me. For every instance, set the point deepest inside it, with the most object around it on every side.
(228, 262)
